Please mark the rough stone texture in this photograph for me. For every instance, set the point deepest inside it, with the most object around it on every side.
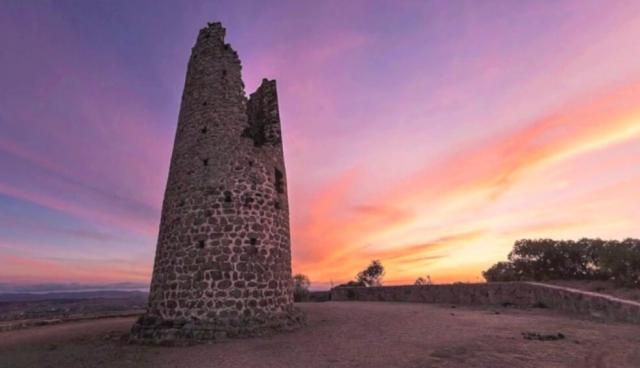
(522, 294)
(223, 258)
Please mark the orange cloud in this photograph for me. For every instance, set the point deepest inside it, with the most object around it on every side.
(27, 269)
(496, 164)
(441, 243)
(447, 192)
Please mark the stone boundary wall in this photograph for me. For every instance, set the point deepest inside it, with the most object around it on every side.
(519, 294)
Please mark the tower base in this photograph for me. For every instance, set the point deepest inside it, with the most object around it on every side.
(154, 330)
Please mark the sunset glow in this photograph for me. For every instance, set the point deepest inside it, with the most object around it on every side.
(429, 135)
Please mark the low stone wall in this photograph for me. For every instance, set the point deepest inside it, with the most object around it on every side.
(520, 294)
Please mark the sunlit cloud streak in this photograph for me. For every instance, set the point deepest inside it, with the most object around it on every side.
(474, 177)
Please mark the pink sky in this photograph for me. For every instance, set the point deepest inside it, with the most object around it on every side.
(429, 135)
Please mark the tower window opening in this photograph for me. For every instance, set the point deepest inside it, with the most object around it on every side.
(205, 162)
(279, 182)
(204, 130)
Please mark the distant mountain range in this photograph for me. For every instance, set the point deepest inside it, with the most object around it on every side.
(68, 296)
(10, 288)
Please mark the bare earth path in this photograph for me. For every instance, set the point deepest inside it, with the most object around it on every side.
(349, 334)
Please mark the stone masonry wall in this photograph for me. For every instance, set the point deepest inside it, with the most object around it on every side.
(522, 294)
(223, 258)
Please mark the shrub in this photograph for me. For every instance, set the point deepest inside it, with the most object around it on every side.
(620, 262)
(501, 271)
(352, 284)
(586, 259)
(301, 285)
(423, 281)
(372, 275)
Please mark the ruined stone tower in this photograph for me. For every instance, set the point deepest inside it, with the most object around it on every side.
(223, 260)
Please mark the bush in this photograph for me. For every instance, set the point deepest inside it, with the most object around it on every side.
(586, 259)
(372, 275)
(620, 262)
(501, 271)
(301, 285)
(352, 284)
(423, 281)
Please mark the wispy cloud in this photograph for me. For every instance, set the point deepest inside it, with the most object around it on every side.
(425, 135)
(30, 269)
(468, 180)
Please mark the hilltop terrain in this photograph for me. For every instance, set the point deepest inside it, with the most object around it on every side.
(19, 310)
(351, 334)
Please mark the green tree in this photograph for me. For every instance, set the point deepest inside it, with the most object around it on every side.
(585, 259)
(501, 271)
(423, 281)
(301, 285)
(620, 262)
(372, 275)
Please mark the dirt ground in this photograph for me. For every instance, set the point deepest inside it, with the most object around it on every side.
(349, 334)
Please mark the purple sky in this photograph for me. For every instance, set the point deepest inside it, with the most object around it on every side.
(430, 135)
